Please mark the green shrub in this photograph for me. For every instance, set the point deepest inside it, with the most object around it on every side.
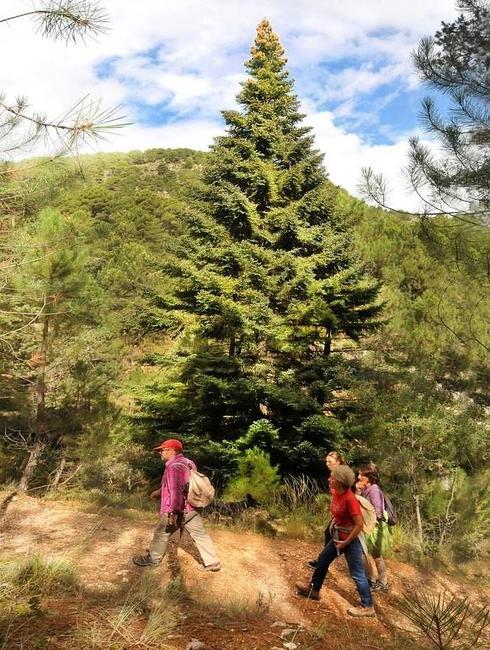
(301, 508)
(118, 471)
(261, 434)
(255, 475)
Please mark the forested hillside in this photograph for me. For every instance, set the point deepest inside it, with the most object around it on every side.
(239, 300)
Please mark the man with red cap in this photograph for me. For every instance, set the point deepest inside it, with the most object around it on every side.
(175, 512)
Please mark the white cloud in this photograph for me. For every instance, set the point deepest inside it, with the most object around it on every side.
(352, 82)
(347, 153)
(194, 134)
(190, 55)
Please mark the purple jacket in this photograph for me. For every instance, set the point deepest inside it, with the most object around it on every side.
(374, 495)
(175, 476)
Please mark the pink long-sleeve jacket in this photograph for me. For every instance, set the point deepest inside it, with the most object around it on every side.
(174, 479)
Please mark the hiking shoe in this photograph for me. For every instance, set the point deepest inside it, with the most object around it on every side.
(361, 611)
(307, 590)
(312, 564)
(210, 567)
(380, 586)
(145, 560)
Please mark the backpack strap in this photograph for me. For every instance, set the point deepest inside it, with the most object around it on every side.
(186, 486)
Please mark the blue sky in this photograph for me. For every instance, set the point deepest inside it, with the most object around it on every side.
(174, 66)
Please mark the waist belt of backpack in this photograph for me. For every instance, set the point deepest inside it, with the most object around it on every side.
(334, 531)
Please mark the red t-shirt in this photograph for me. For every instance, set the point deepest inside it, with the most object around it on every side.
(344, 507)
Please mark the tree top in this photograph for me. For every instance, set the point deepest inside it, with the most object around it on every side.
(267, 48)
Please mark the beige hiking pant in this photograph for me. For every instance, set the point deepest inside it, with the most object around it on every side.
(193, 523)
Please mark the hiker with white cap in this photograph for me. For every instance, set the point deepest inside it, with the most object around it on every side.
(176, 511)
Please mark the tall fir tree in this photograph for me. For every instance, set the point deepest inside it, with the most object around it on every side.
(265, 262)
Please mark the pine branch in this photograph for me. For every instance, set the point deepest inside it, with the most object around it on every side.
(86, 120)
(67, 20)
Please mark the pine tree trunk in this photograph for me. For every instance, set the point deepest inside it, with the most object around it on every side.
(446, 523)
(41, 382)
(31, 465)
(232, 347)
(328, 344)
(40, 429)
(418, 517)
(59, 471)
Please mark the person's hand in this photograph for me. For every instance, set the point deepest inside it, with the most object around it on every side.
(155, 494)
(340, 544)
(172, 520)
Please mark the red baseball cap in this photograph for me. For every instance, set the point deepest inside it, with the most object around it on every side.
(171, 443)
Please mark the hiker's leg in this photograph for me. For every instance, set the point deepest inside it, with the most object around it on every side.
(354, 556)
(381, 567)
(325, 559)
(161, 536)
(194, 525)
(370, 568)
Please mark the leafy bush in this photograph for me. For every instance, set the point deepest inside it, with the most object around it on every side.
(116, 472)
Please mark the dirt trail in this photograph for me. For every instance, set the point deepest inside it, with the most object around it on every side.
(101, 547)
(258, 574)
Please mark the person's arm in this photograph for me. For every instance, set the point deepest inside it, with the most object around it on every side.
(342, 543)
(156, 494)
(377, 500)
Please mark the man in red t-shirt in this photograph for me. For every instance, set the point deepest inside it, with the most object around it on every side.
(345, 528)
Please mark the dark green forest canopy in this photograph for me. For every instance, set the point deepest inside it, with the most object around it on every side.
(137, 354)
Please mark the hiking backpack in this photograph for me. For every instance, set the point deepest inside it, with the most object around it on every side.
(200, 492)
(368, 515)
(391, 516)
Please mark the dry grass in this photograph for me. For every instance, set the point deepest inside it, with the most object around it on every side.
(24, 585)
(237, 607)
(145, 619)
(40, 577)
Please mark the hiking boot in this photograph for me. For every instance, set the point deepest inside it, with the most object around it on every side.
(306, 589)
(361, 611)
(210, 567)
(312, 564)
(380, 586)
(145, 560)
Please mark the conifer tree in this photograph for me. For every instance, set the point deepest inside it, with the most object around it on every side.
(451, 176)
(266, 247)
(266, 262)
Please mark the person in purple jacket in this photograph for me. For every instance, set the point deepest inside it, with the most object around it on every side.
(175, 512)
(378, 541)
